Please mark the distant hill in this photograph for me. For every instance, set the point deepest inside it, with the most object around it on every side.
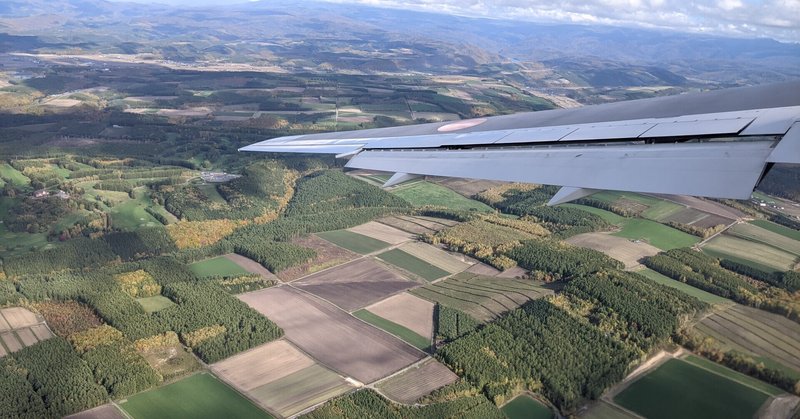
(315, 36)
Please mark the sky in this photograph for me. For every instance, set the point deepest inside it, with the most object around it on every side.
(777, 19)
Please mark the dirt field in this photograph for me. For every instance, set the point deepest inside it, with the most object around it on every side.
(619, 248)
(406, 225)
(328, 255)
(437, 257)
(4, 325)
(382, 232)
(467, 187)
(18, 317)
(250, 265)
(62, 102)
(332, 336)
(354, 285)
(420, 380)
(27, 337)
(107, 411)
(41, 331)
(262, 365)
(483, 269)
(515, 272)
(408, 311)
(299, 391)
(687, 216)
(11, 342)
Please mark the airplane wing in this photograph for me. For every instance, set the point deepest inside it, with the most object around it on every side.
(716, 144)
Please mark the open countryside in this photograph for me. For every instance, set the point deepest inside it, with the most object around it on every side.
(149, 269)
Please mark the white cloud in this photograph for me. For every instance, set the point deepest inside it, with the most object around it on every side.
(778, 19)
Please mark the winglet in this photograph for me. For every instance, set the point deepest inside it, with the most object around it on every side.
(568, 193)
(399, 178)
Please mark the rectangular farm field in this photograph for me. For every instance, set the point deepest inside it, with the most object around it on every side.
(678, 389)
(198, 396)
(218, 266)
(353, 241)
(413, 264)
(332, 336)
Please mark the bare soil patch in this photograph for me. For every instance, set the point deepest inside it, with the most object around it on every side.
(406, 225)
(356, 284)
(332, 336)
(27, 337)
(250, 265)
(484, 269)
(408, 311)
(41, 331)
(515, 272)
(328, 255)
(619, 248)
(107, 411)
(4, 326)
(382, 232)
(11, 342)
(712, 221)
(417, 381)
(447, 261)
(301, 390)
(18, 317)
(468, 187)
(261, 365)
(62, 103)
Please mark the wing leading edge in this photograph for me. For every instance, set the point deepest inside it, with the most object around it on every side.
(646, 145)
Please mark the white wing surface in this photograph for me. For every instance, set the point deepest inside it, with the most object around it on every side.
(713, 144)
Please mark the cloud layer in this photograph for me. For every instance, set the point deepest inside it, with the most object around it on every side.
(777, 19)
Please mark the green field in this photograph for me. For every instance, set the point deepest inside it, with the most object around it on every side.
(659, 235)
(525, 407)
(155, 303)
(422, 193)
(686, 288)
(131, 214)
(734, 375)
(482, 297)
(413, 264)
(757, 255)
(761, 235)
(218, 266)
(403, 333)
(13, 176)
(678, 389)
(355, 242)
(657, 209)
(777, 228)
(198, 396)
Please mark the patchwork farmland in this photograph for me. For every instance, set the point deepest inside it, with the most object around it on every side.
(755, 332)
(331, 336)
(328, 255)
(355, 284)
(482, 297)
(417, 381)
(281, 378)
(19, 327)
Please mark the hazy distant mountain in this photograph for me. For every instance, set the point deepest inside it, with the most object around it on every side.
(311, 35)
